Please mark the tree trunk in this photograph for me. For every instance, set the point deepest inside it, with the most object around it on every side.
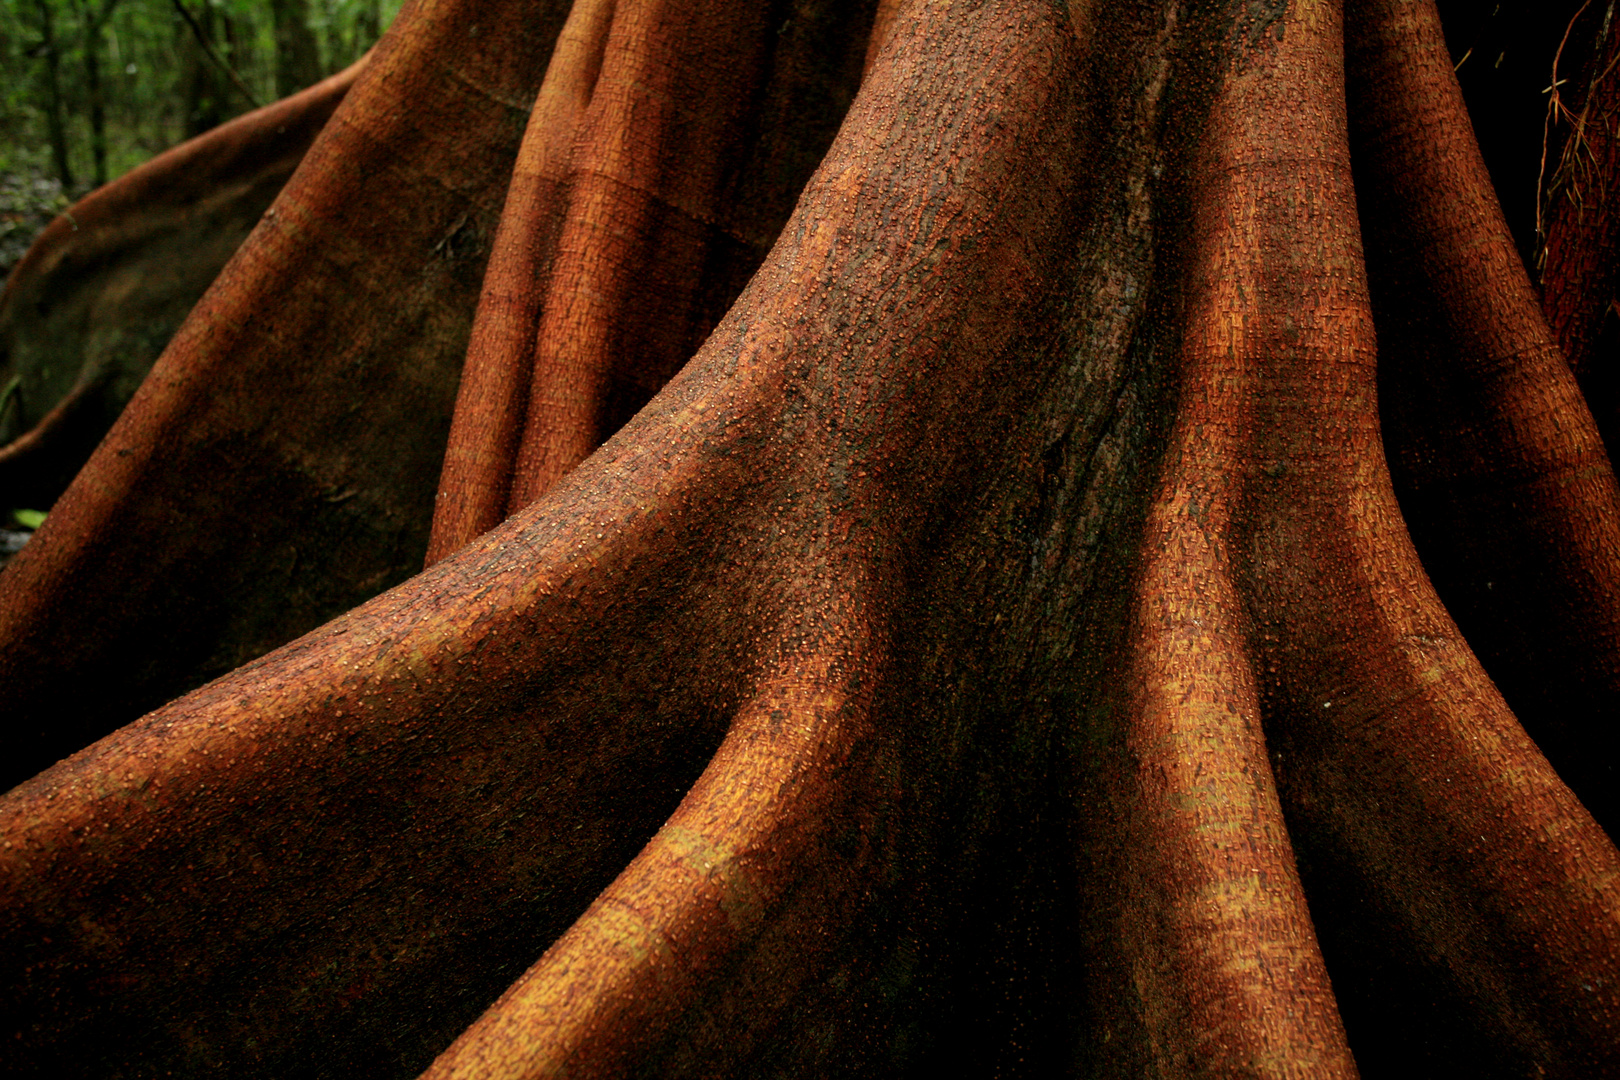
(1003, 646)
(298, 60)
(90, 23)
(206, 88)
(55, 124)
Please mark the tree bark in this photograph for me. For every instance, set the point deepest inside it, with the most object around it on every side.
(1000, 648)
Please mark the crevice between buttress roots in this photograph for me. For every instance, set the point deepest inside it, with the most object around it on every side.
(755, 835)
(642, 193)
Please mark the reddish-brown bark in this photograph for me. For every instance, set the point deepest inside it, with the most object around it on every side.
(104, 287)
(998, 649)
(662, 156)
(278, 466)
(1507, 486)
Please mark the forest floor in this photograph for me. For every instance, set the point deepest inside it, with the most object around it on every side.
(28, 202)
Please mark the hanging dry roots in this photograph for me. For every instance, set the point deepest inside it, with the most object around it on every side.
(999, 647)
(1579, 279)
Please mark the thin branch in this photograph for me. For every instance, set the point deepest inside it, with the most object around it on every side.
(1555, 107)
(202, 39)
(1566, 177)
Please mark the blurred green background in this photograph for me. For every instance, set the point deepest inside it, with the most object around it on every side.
(91, 88)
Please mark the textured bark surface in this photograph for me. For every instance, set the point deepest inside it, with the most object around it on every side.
(105, 286)
(1504, 53)
(664, 152)
(277, 467)
(1510, 494)
(999, 649)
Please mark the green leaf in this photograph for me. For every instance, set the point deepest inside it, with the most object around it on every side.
(29, 519)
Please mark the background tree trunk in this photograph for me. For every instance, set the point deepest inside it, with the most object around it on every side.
(298, 60)
(207, 92)
(92, 20)
(56, 124)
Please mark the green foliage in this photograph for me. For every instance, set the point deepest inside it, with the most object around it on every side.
(157, 85)
(29, 197)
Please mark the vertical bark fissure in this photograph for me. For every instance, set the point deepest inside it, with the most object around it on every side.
(1217, 941)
